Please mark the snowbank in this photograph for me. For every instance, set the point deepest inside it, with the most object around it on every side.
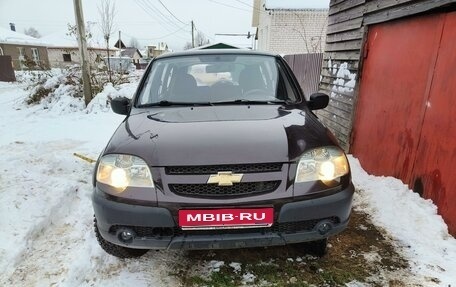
(413, 222)
(64, 92)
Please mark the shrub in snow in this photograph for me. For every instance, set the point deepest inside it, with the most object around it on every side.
(61, 91)
(49, 85)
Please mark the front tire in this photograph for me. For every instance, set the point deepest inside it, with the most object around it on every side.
(318, 247)
(116, 250)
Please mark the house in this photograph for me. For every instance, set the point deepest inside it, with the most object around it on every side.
(133, 53)
(63, 50)
(154, 51)
(288, 27)
(26, 52)
(389, 70)
(219, 45)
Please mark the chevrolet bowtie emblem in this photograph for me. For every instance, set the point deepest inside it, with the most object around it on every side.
(225, 178)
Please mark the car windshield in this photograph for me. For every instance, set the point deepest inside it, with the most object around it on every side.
(215, 79)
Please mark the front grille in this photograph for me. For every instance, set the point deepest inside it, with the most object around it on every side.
(213, 190)
(284, 227)
(213, 169)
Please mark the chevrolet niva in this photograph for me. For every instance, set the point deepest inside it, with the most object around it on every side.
(219, 149)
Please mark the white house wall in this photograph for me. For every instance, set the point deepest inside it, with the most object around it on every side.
(292, 31)
(56, 56)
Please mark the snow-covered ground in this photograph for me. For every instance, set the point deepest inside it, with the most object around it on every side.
(46, 212)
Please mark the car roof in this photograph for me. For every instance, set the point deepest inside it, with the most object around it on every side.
(215, 52)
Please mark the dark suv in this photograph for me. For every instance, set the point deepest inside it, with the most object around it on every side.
(219, 149)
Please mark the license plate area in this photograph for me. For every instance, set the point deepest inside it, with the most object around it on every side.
(227, 218)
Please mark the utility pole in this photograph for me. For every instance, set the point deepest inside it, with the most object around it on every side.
(83, 51)
(120, 45)
(193, 35)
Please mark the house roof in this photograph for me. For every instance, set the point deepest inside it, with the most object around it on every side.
(11, 37)
(120, 44)
(130, 52)
(219, 45)
(62, 40)
(295, 5)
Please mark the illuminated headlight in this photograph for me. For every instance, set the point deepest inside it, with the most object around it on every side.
(325, 164)
(121, 171)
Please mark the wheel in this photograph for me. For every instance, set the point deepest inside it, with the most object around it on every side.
(318, 247)
(315, 248)
(116, 250)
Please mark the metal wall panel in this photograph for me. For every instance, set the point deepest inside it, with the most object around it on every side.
(307, 69)
(405, 117)
(434, 170)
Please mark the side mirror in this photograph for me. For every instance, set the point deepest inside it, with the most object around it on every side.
(120, 105)
(318, 101)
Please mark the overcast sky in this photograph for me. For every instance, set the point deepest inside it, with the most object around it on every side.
(146, 20)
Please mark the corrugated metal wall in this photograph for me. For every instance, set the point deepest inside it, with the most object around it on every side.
(307, 68)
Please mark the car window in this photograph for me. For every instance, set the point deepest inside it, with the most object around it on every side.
(215, 78)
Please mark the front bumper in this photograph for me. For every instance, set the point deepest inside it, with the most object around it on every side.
(156, 228)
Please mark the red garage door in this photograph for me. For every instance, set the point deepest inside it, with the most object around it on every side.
(405, 123)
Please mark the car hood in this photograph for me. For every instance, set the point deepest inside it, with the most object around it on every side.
(211, 135)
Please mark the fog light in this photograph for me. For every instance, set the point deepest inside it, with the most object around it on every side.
(126, 235)
(324, 227)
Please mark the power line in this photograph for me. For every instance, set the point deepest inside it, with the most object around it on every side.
(171, 12)
(154, 13)
(198, 30)
(160, 13)
(146, 8)
(164, 36)
(254, 8)
(244, 3)
(226, 5)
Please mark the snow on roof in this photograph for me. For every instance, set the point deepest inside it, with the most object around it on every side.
(62, 40)
(294, 4)
(11, 37)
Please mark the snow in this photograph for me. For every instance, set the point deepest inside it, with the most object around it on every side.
(11, 37)
(46, 215)
(248, 278)
(214, 265)
(237, 267)
(61, 39)
(420, 233)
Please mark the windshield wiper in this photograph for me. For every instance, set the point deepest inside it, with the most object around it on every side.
(171, 103)
(252, 102)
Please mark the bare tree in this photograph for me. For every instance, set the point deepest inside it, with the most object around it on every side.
(134, 43)
(312, 41)
(73, 32)
(107, 12)
(32, 32)
(200, 40)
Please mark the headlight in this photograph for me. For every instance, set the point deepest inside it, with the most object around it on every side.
(325, 164)
(121, 171)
